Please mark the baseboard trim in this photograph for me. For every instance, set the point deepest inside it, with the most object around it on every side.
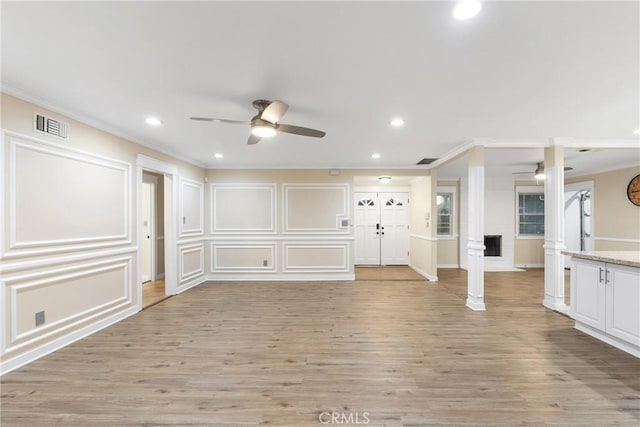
(424, 274)
(613, 341)
(9, 365)
(191, 284)
(240, 277)
(476, 305)
(448, 265)
(529, 265)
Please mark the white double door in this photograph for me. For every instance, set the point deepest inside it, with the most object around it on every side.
(381, 224)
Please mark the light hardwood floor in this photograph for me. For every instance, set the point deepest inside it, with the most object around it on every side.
(407, 352)
(152, 293)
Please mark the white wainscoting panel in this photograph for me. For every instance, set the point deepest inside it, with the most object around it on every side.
(70, 296)
(191, 262)
(191, 208)
(315, 208)
(245, 257)
(316, 257)
(62, 199)
(243, 208)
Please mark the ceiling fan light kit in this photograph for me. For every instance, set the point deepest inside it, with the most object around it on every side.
(538, 173)
(266, 124)
(263, 131)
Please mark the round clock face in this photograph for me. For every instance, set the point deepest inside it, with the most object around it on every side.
(633, 190)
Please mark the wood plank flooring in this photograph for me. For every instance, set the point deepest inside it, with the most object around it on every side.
(408, 353)
(152, 293)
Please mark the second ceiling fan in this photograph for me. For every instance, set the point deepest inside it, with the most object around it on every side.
(538, 173)
(266, 123)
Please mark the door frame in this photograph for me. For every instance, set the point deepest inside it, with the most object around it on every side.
(578, 186)
(153, 216)
(170, 173)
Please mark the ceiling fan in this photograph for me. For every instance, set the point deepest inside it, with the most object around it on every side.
(538, 173)
(266, 123)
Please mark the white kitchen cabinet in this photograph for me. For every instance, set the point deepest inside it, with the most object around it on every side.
(622, 299)
(605, 302)
(587, 293)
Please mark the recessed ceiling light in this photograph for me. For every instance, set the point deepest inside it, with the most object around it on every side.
(636, 132)
(385, 179)
(397, 122)
(153, 121)
(218, 155)
(466, 9)
(376, 156)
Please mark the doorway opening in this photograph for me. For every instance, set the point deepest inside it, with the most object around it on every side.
(153, 248)
(381, 226)
(578, 225)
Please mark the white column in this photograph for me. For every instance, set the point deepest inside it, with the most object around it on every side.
(475, 245)
(554, 229)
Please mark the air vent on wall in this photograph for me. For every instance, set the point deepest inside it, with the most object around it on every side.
(426, 161)
(42, 123)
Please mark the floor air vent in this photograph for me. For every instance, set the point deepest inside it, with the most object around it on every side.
(50, 126)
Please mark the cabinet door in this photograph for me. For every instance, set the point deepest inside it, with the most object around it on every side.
(623, 303)
(588, 293)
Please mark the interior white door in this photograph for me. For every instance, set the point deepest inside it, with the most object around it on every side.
(394, 228)
(147, 200)
(366, 228)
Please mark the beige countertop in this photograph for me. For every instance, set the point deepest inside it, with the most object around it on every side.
(629, 258)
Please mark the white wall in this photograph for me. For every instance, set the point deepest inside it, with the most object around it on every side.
(499, 214)
(423, 242)
(69, 243)
(616, 221)
(279, 225)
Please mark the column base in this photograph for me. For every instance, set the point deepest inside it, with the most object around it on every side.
(476, 304)
(555, 305)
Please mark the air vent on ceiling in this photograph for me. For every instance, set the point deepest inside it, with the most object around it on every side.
(426, 161)
(42, 123)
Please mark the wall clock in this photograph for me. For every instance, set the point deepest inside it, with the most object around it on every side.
(633, 190)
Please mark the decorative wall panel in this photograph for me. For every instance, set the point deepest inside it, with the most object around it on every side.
(60, 199)
(242, 208)
(316, 208)
(191, 208)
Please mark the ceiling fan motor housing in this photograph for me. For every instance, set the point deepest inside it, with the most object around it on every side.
(261, 104)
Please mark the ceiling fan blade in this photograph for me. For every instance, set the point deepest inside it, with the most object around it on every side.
(274, 111)
(298, 130)
(522, 173)
(568, 168)
(210, 119)
(253, 139)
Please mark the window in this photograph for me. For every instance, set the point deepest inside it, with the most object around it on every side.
(394, 202)
(530, 212)
(444, 201)
(366, 202)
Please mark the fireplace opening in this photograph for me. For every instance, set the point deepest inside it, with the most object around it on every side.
(492, 245)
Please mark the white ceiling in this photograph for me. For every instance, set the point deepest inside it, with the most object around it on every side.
(517, 70)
